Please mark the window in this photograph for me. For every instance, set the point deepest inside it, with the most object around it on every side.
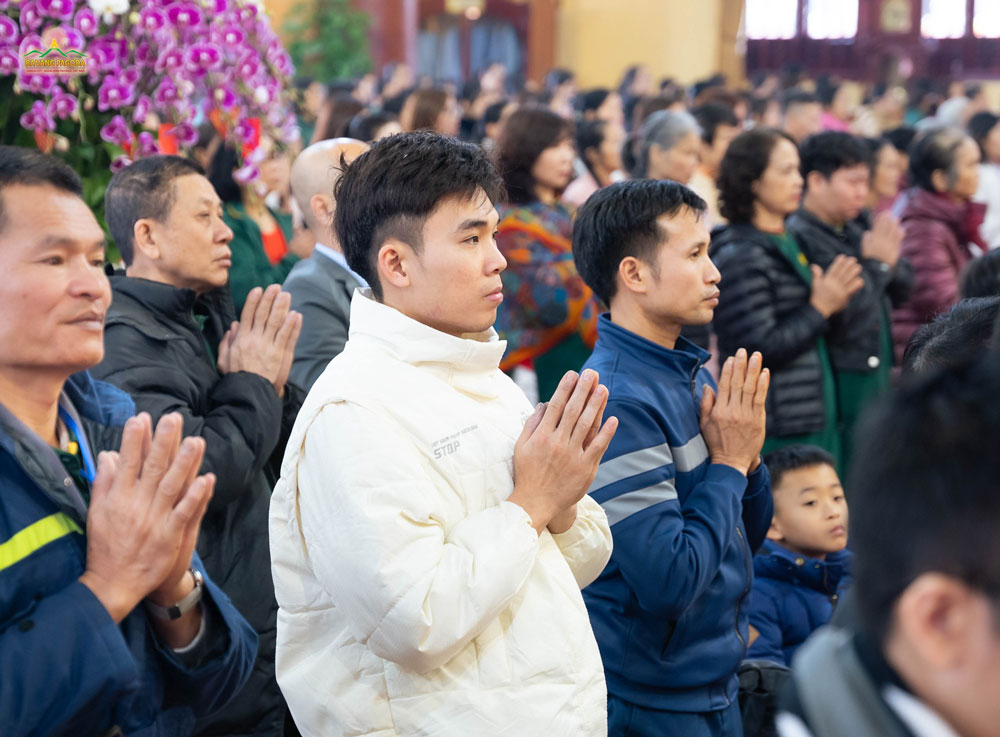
(832, 18)
(772, 18)
(944, 18)
(986, 19)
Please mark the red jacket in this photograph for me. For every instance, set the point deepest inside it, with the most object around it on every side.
(936, 243)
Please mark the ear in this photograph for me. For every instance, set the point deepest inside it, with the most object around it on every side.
(144, 239)
(322, 208)
(774, 532)
(634, 275)
(935, 615)
(395, 259)
(939, 178)
(814, 181)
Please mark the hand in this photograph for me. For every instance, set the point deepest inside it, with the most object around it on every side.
(733, 421)
(833, 289)
(557, 455)
(264, 338)
(884, 241)
(147, 503)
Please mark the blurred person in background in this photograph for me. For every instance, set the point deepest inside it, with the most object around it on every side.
(941, 225)
(765, 112)
(601, 104)
(312, 94)
(431, 110)
(335, 116)
(772, 300)
(835, 97)
(549, 316)
(883, 183)
(637, 83)
(667, 146)
(984, 128)
(802, 114)
(719, 126)
(560, 85)
(600, 148)
(370, 127)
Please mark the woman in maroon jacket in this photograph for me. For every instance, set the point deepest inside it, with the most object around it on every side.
(941, 224)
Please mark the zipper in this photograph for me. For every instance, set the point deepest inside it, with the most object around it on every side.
(746, 551)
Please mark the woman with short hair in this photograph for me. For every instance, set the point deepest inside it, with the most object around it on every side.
(600, 148)
(666, 146)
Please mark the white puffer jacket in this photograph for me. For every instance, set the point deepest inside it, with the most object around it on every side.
(414, 600)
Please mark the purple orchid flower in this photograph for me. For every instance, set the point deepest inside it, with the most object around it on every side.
(71, 38)
(248, 67)
(4, 4)
(169, 60)
(61, 9)
(147, 144)
(131, 76)
(144, 55)
(62, 105)
(166, 93)
(114, 94)
(40, 84)
(186, 134)
(116, 131)
(31, 16)
(184, 14)
(202, 58)
(143, 106)
(246, 174)
(244, 131)
(9, 32)
(225, 97)
(38, 118)
(30, 42)
(120, 163)
(9, 61)
(86, 22)
(152, 19)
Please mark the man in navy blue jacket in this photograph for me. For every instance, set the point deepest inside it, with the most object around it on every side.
(682, 483)
(108, 623)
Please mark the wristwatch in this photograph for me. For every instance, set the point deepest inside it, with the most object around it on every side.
(170, 613)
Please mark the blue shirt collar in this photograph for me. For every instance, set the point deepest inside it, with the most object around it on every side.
(685, 357)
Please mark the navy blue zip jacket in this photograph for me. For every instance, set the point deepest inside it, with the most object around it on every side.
(669, 611)
(792, 596)
(66, 668)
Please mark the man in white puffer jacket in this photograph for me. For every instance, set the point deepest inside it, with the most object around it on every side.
(430, 534)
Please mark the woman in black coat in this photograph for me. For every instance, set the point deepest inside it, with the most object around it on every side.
(772, 300)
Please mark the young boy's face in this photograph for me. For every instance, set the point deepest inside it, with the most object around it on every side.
(810, 512)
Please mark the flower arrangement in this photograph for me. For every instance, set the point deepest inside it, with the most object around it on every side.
(153, 68)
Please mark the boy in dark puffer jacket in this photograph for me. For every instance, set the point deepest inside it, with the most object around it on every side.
(804, 565)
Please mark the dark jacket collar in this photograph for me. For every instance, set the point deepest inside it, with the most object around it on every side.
(744, 233)
(778, 562)
(851, 231)
(684, 359)
(134, 298)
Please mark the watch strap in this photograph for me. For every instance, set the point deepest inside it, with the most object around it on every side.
(170, 613)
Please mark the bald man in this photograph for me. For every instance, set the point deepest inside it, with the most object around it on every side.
(321, 286)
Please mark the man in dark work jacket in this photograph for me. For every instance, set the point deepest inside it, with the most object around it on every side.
(836, 170)
(171, 343)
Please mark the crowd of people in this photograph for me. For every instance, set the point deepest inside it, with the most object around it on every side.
(496, 411)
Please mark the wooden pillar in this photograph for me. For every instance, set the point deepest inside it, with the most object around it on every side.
(393, 31)
(542, 38)
(732, 59)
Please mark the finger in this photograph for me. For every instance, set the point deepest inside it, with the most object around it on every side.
(163, 448)
(293, 339)
(199, 513)
(263, 310)
(554, 408)
(725, 382)
(763, 384)
(199, 456)
(599, 447)
(856, 285)
(817, 272)
(577, 403)
(174, 483)
(130, 453)
(250, 307)
(223, 360)
(585, 424)
(707, 403)
(186, 511)
(287, 329)
(278, 317)
(595, 426)
(531, 424)
(107, 466)
(754, 367)
(739, 376)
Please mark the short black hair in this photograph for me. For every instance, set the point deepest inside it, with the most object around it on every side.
(793, 457)
(743, 164)
(961, 334)
(797, 97)
(589, 134)
(829, 151)
(980, 126)
(901, 137)
(619, 221)
(220, 173)
(364, 126)
(981, 276)
(557, 77)
(935, 150)
(710, 116)
(390, 190)
(923, 484)
(144, 189)
(27, 166)
(591, 99)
